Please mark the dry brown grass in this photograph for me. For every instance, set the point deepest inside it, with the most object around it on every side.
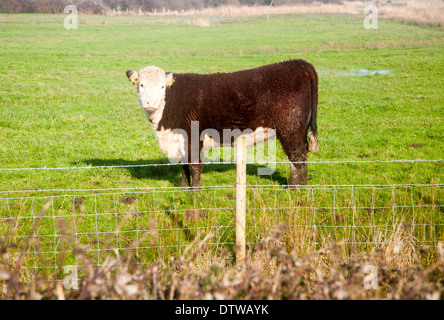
(292, 261)
(246, 11)
(420, 12)
(270, 271)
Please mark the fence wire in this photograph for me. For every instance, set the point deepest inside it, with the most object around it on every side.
(221, 162)
(57, 230)
(156, 223)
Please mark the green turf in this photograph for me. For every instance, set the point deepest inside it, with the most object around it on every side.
(65, 101)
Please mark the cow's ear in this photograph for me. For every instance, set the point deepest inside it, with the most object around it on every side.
(169, 79)
(132, 76)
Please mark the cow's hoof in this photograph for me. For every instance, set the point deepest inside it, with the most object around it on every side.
(296, 184)
(184, 184)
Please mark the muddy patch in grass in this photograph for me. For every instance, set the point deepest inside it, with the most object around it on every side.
(365, 155)
(195, 214)
(366, 72)
(128, 199)
(77, 204)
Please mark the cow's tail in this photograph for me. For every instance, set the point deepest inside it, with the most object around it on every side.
(313, 134)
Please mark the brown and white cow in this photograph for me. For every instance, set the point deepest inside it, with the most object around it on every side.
(281, 96)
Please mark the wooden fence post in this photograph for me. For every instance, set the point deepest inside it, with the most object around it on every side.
(241, 182)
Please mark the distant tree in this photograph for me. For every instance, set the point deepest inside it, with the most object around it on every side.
(91, 7)
(112, 4)
(17, 6)
(100, 6)
(33, 6)
(49, 6)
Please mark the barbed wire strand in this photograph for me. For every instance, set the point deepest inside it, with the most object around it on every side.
(222, 162)
(193, 189)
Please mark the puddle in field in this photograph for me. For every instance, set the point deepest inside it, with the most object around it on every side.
(353, 73)
(365, 72)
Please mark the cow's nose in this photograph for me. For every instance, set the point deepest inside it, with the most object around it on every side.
(149, 105)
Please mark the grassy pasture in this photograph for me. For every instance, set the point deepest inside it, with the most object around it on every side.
(65, 102)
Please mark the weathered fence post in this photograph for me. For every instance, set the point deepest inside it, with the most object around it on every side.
(241, 182)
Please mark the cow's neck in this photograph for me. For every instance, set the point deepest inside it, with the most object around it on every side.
(156, 116)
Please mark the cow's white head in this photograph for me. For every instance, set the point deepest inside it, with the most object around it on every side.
(151, 86)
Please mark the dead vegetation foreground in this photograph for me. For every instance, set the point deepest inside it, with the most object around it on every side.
(269, 272)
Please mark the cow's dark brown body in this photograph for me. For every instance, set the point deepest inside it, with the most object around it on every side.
(281, 96)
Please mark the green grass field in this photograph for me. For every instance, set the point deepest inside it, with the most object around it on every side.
(65, 101)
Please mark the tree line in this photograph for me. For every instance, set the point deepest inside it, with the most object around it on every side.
(106, 6)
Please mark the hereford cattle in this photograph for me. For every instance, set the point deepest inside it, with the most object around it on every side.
(281, 96)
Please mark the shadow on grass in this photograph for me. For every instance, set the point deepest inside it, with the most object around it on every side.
(172, 173)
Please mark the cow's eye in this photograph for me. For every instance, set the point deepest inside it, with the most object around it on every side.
(141, 85)
(163, 87)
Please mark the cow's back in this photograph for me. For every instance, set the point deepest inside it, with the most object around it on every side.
(244, 99)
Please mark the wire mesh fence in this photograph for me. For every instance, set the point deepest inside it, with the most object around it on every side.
(50, 229)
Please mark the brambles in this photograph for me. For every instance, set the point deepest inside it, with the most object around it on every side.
(270, 272)
(322, 275)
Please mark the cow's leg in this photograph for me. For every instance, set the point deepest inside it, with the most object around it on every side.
(195, 170)
(186, 178)
(298, 171)
(295, 146)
